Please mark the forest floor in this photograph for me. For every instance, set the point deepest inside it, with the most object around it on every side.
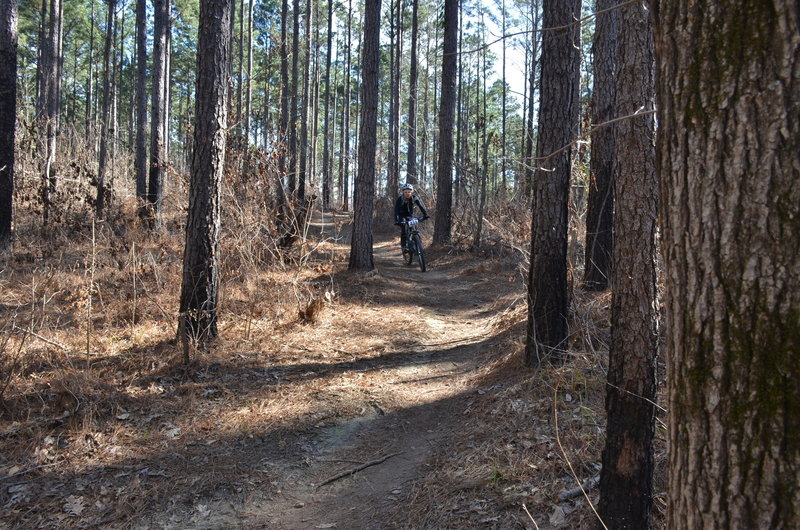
(392, 399)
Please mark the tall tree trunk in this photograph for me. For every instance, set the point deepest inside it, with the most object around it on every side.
(140, 162)
(158, 155)
(394, 162)
(294, 96)
(348, 107)
(361, 245)
(326, 162)
(530, 132)
(283, 167)
(48, 102)
(199, 288)
(8, 116)
(728, 154)
(599, 213)
(248, 93)
(307, 101)
(240, 74)
(504, 110)
(626, 480)
(548, 298)
(102, 188)
(90, 79)
(411, 166)
(444, 171)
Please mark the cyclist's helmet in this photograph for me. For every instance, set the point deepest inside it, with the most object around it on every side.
(407, 187)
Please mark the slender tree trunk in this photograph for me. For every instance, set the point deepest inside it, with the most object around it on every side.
(140, 162)
(284, 120)
(548, 298)
(361, 246)
(394, 163)
(411, 166)
(158, 158)
(599, 214)
(102, 167)
(48, 103)
(326, 162)
(348, 107)
(199, 288)
(626, 480)
(240, 75)
(444, 170)
(504, 110)
(248, 86)
(728, 156)
(90, 79)
(294, 96)
(8, 116)
(303, 166)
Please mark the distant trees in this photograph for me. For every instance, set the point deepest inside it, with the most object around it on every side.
(8, 116)
(199, 288)
(444, 171)
(548, 300)
(626, 479)
(729, 159)
(361, 244)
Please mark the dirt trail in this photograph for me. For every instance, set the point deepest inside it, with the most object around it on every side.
(427, 387)
(448, 326)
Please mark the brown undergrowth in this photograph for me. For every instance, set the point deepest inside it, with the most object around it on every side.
(528, 454)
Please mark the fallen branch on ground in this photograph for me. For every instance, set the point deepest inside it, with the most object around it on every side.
(574, 492)
(357, 469)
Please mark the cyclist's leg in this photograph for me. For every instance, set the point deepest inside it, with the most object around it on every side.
(403, 236)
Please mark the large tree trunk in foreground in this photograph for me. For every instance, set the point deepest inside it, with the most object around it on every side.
(729, 163)
(361, 245)
(447, 111)
(199, 290)
(8, 115)
(626, 480)
(548, 299)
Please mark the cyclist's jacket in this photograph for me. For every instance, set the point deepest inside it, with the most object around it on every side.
(405, 208)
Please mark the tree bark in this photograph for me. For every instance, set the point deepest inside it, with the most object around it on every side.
(361, 258)
(48, 101)
(600, 207)
(548, 299)
(158, 152)
(411, 165)
(728, 156)
(8, 116)
(444, 171)
(294, 97)
(626, 480)
(141, 104)
(326, 158)
(102, 166)
(199, 289)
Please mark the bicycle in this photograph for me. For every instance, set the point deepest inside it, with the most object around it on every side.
(413, 244)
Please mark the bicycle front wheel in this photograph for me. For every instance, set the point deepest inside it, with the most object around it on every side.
(420, 252)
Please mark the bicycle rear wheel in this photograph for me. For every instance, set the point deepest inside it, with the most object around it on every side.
(420, 251)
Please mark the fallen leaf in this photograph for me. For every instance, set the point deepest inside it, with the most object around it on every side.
(74, 505)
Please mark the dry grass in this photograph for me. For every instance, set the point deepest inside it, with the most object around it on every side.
(101, 423)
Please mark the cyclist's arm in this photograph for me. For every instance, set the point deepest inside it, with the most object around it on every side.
(421, 207)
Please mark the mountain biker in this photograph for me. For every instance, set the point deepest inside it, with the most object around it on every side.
(404, 208)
